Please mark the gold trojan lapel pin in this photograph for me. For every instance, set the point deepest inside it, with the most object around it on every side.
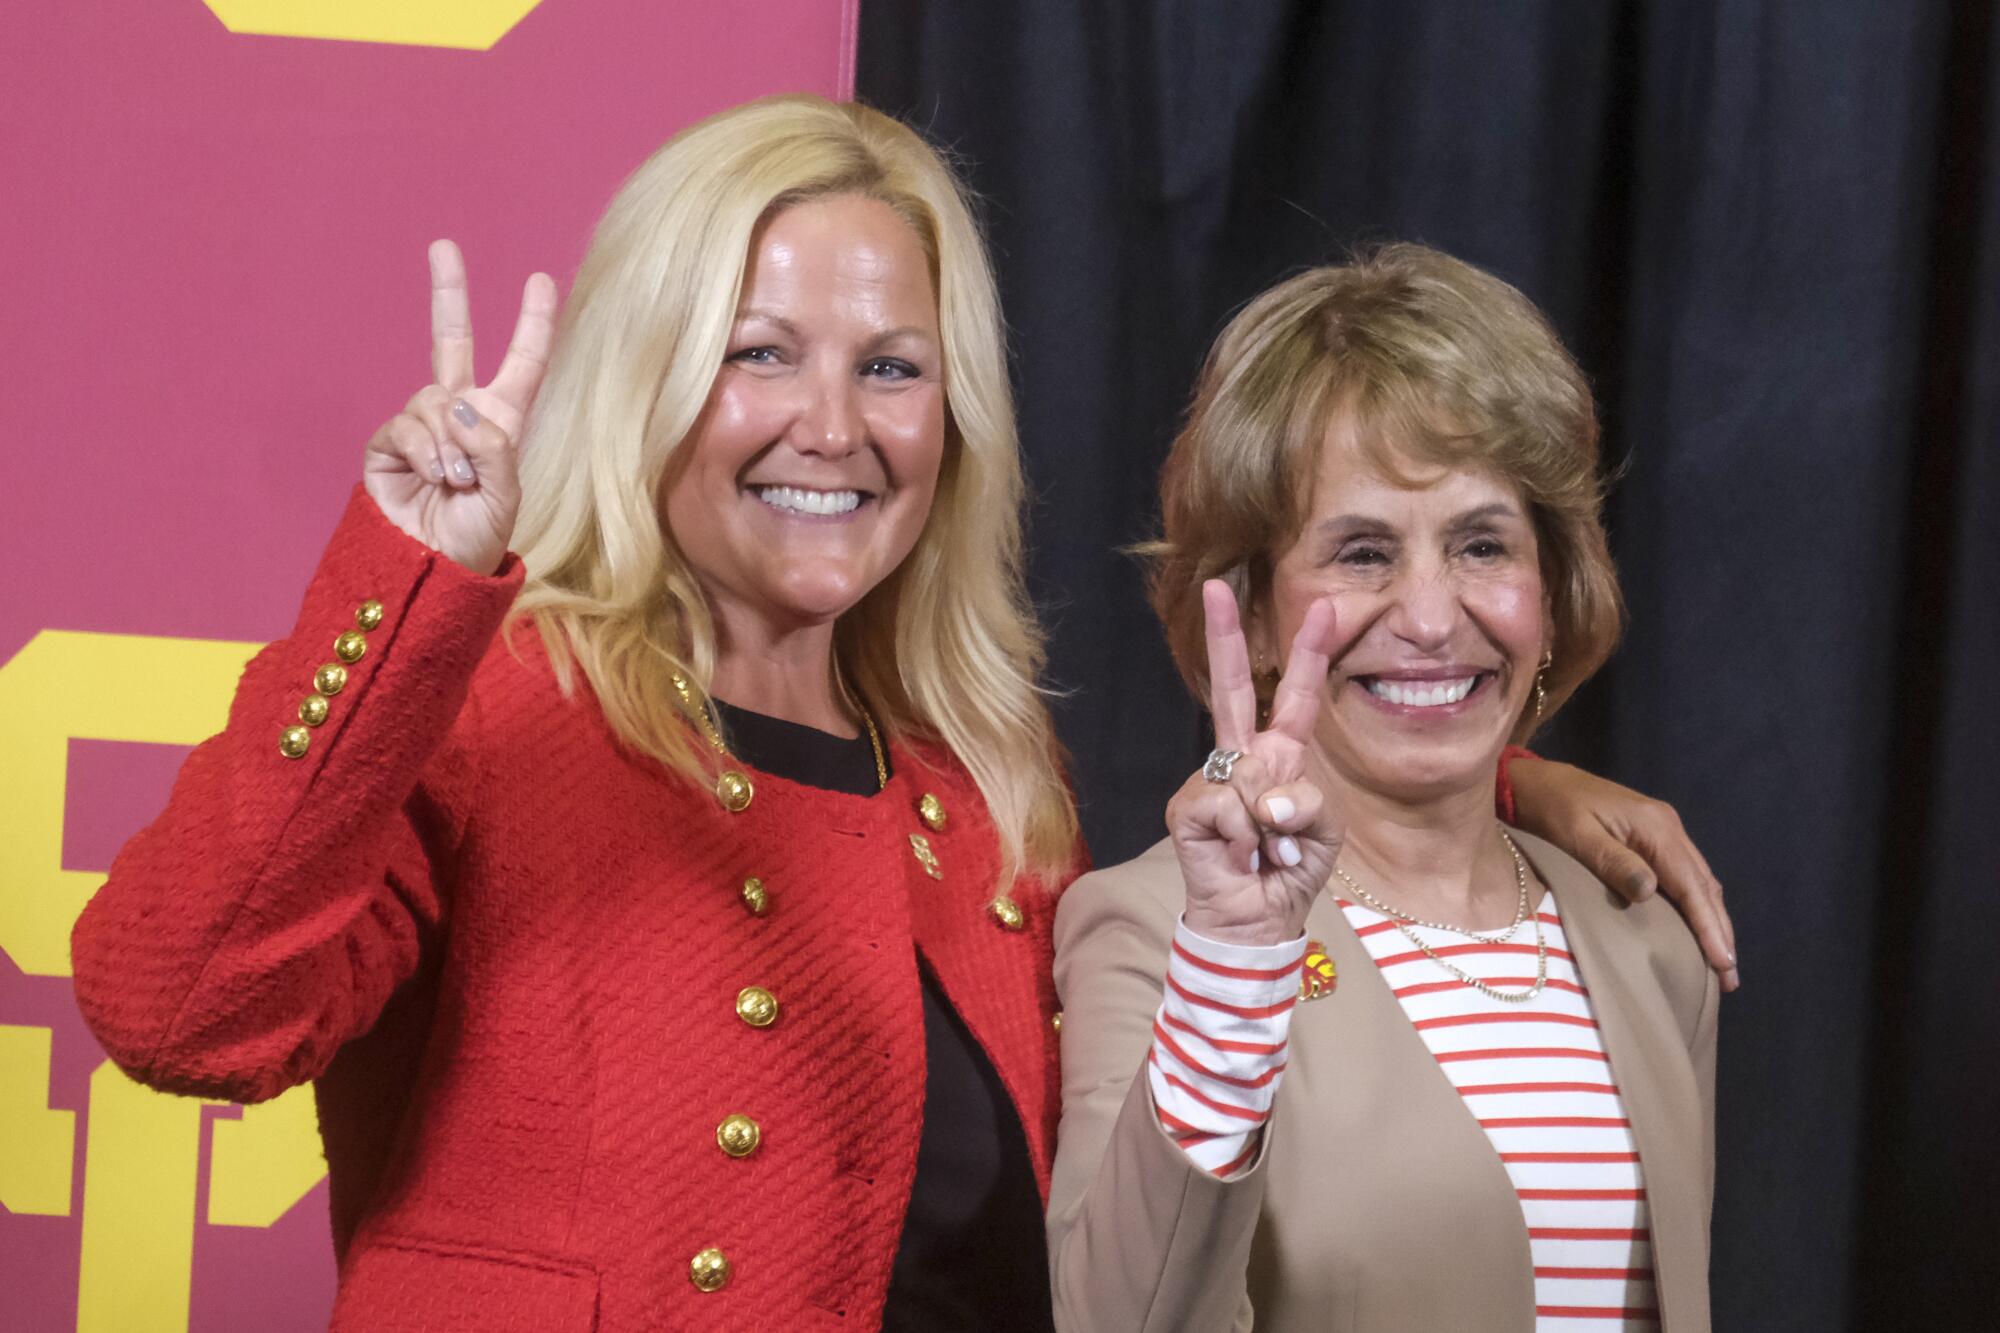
(1317, 983)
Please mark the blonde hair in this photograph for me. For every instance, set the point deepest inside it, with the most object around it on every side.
(947, 647)
(1423, 357)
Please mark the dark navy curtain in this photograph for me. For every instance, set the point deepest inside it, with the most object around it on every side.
(1770, 232)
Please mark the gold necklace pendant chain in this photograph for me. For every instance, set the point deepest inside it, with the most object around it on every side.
(703, 715)
(733, 790)
(868, 721)
(1404, 922)
(1480, 984)
(1404, 918)
(875, 745)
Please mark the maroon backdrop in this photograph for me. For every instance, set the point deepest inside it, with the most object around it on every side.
(214, 243)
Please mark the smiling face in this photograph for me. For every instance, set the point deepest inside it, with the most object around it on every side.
(1440, 615)
(808, 477)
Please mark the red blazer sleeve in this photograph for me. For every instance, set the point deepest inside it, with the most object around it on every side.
(269, 913)
(1503, 798)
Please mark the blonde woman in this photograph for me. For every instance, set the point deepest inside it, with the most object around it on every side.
(1342, 1053)
(663, 910)
(620, 1000)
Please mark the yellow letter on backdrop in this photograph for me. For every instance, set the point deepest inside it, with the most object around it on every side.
(139, 1169)
(471, 24)
(101, 687)
(143, 1148)
(37, 1141)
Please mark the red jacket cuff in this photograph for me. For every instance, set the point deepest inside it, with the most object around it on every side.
(1503, 799)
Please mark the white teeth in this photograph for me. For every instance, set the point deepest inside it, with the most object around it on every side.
(1426, 695)
(801, 501)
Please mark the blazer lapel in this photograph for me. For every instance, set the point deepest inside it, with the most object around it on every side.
(998, 979)
(1648, 1051)
(1360, 1034)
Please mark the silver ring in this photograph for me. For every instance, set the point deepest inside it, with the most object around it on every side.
(1220, 764)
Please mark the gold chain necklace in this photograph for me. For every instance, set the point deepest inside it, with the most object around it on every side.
(874, 739)
(1479, 984)
(1403, 923)
(1396, 914)
(734, 788)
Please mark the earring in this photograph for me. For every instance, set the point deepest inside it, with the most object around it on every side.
(1542, 695)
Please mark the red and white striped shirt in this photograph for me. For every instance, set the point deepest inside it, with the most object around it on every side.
(1219, 1045)
(1534, 1075)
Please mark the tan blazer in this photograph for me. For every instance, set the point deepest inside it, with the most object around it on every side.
(1378, 1203)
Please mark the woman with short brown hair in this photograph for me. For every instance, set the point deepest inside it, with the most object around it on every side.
(1497, 1111)
(1442, 358)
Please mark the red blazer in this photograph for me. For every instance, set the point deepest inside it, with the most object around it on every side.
(512, 955)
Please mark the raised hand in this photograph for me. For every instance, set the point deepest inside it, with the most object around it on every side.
(1256, 850)
(444, 469)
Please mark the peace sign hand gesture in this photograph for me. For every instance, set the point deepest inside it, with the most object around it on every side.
(444, 469)
(1255, 850)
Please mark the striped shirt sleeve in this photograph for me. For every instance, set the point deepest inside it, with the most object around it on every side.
(1219, 1045)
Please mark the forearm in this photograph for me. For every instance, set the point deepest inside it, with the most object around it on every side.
(1220, 1046)
(1143, 1234)
(270, 910)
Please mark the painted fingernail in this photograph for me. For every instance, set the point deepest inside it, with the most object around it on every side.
(1281, 809)
(436, 470)
(462, 411)
(461, 471)
(1255, 860)
(1288, 851)
(1732, 959)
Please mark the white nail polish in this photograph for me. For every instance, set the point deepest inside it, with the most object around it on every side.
(1254, 860)
(1281, 809)
(436, 470)
(461, 471)
(1288, 851)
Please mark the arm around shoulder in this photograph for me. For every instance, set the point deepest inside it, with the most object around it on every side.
(270, 911)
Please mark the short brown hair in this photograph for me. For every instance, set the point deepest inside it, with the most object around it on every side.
(1426, 358)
